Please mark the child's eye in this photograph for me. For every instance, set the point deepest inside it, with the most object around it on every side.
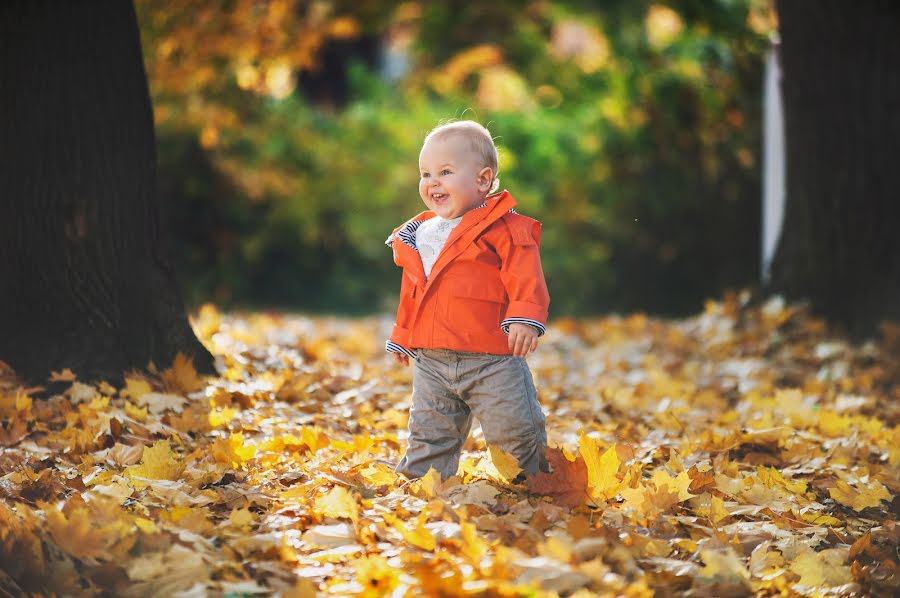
(445, 171)
(425, 175)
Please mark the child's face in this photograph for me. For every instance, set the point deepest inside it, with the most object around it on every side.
(453, 181)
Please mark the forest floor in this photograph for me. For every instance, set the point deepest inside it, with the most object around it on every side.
(743, 451)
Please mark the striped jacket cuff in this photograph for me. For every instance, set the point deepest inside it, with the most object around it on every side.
(392, 347)
(504, 325)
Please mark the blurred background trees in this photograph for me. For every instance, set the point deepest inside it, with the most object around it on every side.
(289, 133)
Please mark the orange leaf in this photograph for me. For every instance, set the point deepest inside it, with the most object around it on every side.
(64, 376)
(567, 485)
(13, 432)
(182, 376)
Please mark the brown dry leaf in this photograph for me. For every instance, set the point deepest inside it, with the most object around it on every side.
(66, 375)
(165, 573)
(13, 431)
(85, 534)
(567, 484)
(123, 454)
(158, 403)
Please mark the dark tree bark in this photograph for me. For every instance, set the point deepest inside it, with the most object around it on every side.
(840, 245)
(84, 283)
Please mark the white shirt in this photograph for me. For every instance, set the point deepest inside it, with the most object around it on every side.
(431, 237)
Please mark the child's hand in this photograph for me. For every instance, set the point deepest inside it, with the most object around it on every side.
(401, 358)
(523, 339)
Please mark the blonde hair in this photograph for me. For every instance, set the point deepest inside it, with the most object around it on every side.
(479, 139)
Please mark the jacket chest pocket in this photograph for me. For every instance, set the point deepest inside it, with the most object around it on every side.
(473, 304)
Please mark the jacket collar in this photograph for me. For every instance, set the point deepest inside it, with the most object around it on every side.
(473, 223)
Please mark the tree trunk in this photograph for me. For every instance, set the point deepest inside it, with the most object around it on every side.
(840, 245)
(84, 283)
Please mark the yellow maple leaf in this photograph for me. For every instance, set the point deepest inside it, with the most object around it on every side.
(135, 412)
(314, 438)
(870, 496)
(633, 497)
(241, 518)
(506, 465)
(834, 424)
(157, 463)
(429, 484)
(217, 417)
(601, 469)
(773, 478)
(182, 376)
(232, 451)
(148, 526)
(819, 518)
(649, 501)
(136, 387)
(472, 546)
(419, 536)
(824, 568)
(378, 474)
(376, 576)
(338, 503)
(717, 511)
(679, 484)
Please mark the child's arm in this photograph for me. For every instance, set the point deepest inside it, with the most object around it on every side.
(523, 278)
(399, 335)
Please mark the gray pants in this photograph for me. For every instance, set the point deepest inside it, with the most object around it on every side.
(449, 387)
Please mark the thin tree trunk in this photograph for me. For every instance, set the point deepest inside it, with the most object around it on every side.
(84, 283)
(840, 245)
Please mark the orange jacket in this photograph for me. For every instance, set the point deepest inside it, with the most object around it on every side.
(487, 276)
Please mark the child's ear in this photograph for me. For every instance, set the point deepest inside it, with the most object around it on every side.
(485, 178)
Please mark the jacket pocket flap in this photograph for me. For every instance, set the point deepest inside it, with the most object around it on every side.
(476, 289)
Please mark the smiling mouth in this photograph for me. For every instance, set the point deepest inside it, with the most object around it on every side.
(438, 196)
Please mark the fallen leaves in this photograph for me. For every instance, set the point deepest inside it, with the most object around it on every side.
(158, 462)
(601, 469)
(567, 484)
(738, 452)
(870, 495)
(337, 503)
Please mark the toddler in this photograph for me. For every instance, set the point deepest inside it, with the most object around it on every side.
(473, 302)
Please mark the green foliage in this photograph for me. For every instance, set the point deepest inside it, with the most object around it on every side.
(639, 159)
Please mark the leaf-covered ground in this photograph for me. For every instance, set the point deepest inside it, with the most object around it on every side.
(738, 452)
